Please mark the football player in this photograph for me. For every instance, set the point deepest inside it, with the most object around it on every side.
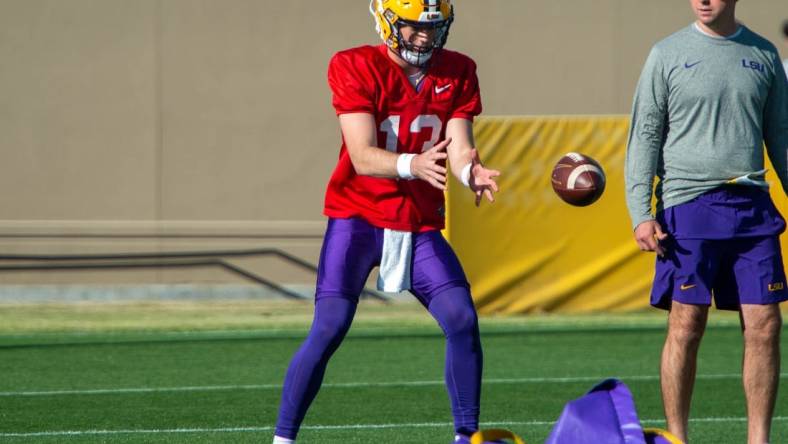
(405, 107)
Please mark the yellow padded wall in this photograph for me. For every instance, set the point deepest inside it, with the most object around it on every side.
(530, 251)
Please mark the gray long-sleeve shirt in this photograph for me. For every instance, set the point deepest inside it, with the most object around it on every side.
(703, 108)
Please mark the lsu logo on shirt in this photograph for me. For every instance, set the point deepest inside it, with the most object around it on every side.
(760, 67)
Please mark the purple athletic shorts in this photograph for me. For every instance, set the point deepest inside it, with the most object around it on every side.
(353, 247)
(724, 243)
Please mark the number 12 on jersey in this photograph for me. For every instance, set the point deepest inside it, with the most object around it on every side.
(391, 126)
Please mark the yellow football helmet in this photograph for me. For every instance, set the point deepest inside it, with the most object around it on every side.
(390, 15)
(496, 435)
(659, 436)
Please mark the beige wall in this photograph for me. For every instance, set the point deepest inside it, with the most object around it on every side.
(138, 125)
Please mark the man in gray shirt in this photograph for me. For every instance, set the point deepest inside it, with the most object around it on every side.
(709, 96)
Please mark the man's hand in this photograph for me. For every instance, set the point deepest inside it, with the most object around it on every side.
(648, 236)
(425, 165)
(481, 181)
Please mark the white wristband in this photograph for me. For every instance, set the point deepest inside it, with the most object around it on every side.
(465, 174)
(403, 166)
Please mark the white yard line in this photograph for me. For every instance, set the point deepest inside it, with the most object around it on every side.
(208, 388)
(332, 427)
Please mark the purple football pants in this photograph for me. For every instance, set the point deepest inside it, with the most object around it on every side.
(351, 249)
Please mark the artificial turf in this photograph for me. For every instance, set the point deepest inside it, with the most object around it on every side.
(169, 381)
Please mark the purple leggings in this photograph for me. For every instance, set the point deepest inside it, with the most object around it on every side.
(351, 249)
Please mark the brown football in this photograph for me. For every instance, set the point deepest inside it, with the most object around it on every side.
(578, 179)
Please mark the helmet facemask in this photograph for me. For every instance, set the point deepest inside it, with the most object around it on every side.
(389, 23)
(419, 56)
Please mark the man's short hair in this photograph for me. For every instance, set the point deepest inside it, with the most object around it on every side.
(785, 29)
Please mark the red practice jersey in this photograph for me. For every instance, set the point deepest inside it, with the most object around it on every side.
(365, 80)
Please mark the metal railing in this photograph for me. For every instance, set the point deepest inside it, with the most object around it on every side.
(182, 259)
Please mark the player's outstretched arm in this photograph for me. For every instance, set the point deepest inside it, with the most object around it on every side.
(425, 166)
(360, 134)
(465, 161)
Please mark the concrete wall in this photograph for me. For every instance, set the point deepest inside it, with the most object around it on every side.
(158, 125)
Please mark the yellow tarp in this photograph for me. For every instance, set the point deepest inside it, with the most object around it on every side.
(530, 251)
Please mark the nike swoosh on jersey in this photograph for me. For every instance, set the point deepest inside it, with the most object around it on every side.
(687, 287)
(690, 65)
(440, 89)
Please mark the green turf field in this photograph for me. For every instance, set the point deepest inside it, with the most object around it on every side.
(211, 373)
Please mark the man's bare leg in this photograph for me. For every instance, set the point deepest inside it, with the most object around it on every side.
(761, 325)
(686, 324)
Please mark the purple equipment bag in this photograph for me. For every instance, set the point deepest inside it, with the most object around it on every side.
(605, 415)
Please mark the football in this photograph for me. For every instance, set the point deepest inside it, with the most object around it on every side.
(578, 179)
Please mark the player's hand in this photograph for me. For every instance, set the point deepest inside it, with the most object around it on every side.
(425, 166)
(648, 236)
(482, 180)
